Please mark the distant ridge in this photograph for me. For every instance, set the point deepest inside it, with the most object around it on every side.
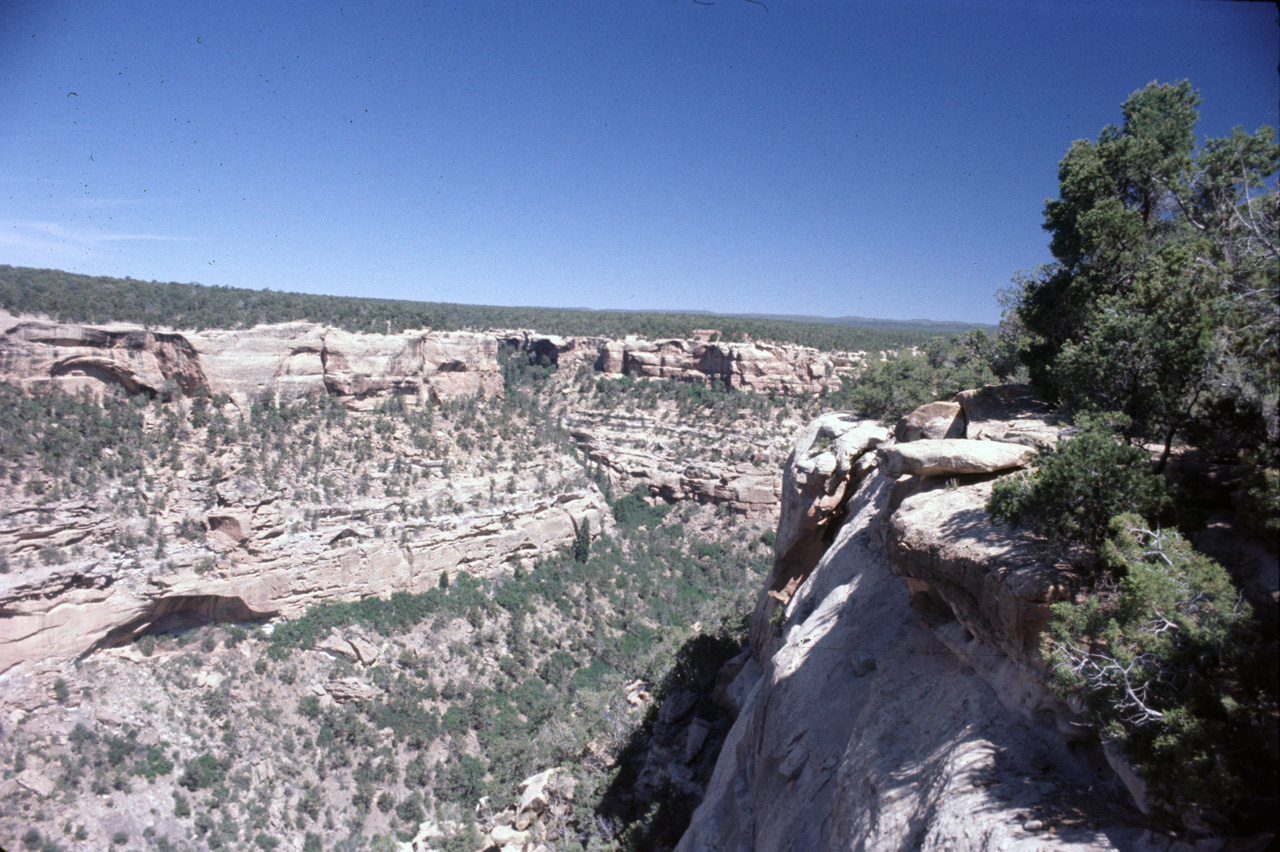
(938, 326)
(932, 327)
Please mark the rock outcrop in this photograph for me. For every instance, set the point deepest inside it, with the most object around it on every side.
(678, 460)
(831, 456)
(288, 361)
(757, 366)
(284, 362)
(900, 702)
(57, 612)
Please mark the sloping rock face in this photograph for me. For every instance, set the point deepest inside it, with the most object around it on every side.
(831, 456)
(901, 700)
(284, 362)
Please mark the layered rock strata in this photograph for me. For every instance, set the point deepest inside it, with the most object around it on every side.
(678, 460)
(284, 362)
(287, 361)
(271, 567)
(755, 366)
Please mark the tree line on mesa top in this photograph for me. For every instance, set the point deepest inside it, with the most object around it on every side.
(70, 297)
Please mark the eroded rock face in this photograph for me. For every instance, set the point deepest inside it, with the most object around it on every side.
(960, 457)
(901, 701)
(999, 584)
(750, 366)
(64, 611)
(79, 357)
(763, 367)
(869, 731)
(821, 473)
(678, 460)
(933, 420)
(285, 362)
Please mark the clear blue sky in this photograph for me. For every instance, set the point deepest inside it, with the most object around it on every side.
(882, 158)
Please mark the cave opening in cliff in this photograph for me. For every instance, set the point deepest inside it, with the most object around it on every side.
(181, 613)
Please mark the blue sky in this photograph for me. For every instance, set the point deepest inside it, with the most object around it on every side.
(885, 158)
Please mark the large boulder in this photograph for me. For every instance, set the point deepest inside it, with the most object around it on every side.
(960, 457)
(931, 421)
(999, 584)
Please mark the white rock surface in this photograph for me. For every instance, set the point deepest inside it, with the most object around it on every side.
(867, 732)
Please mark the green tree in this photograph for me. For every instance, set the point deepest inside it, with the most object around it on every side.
(1163, 294)
(582, 541)
(1169, 666)
(1077, 487)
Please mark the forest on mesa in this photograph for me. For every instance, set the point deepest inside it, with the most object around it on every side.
(69, 297)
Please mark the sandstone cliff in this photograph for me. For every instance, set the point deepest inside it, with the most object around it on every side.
(283, 362)
(288, 361)
(901, 703)
(256, 528)
(758, 366)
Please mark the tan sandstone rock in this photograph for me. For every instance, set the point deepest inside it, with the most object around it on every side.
(346, 690)
(932, 421)
(952, 458)
(868, 731)
(820, 474)
(284, 361)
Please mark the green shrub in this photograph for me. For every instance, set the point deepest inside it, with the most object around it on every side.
(153, 763)
(201, 772)
(1078, 487)
(1169, 666)
(632, 511)
(888, 389)
(410, 811)
(1260, 494)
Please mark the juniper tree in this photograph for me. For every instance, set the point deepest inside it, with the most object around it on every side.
(1162, 300)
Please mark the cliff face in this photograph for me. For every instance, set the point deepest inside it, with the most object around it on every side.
(258, 529)
(901, 701)
(758, 366)
(288, 361)
(284, 362)
(268, 567)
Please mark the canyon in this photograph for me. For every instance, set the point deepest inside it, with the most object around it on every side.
(889, 695)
